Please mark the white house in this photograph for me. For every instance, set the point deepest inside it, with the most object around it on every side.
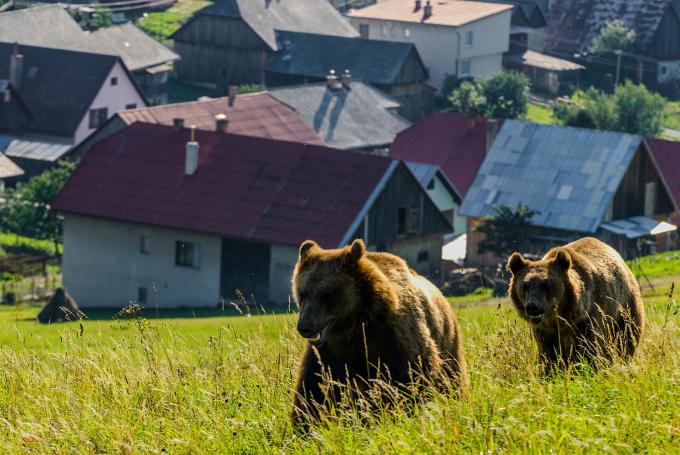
(460, 38)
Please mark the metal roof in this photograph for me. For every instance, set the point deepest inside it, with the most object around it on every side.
(543, 61)
(33, 148)
(569, 175)
(8, 168)
(424, 173)
(638, 226)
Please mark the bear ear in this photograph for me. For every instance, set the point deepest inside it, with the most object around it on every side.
(306, 247)
(562, 260)
(516, 263)
(357, 250)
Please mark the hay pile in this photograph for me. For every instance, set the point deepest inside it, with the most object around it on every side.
(60, 308)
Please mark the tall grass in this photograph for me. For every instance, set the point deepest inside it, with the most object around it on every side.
(222, 384)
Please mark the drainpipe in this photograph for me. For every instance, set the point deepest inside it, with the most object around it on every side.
(458, 54)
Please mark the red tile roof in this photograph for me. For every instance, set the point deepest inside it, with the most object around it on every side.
(255, 114)
(244, 187)
(667, 157)
(453, 142)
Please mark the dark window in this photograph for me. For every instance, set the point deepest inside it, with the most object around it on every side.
(98, 117)
(430, 185)
(422, 256)
(401, 221)
(187, 254)
(363, 30)
(114, 81)
(131, 106)
(142, 295)
(145, 244)
(413, 220)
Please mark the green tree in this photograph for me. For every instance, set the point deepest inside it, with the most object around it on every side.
(506, 231)
(26, 209)
(614, 36)
(506, 94)
(467, 97)
(638, 110)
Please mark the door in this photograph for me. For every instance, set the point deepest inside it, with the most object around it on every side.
(245, 269)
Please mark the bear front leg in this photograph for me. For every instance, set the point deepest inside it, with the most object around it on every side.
(308, 393)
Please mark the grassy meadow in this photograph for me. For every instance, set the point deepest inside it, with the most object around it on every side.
(220, 382)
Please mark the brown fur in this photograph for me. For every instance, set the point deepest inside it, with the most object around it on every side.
(588, 298)
(387, 322)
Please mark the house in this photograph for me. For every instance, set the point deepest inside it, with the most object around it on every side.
(572, 25)
(580, 181)
(454, 38)
(230, 41)
(441, 191)
(392, 67)
(454, 143)
(547, 74)
(51, 26)
(60, 97)
(666, 154)
(348, 115)
(527, 25)
(196, 215)
(254, 114)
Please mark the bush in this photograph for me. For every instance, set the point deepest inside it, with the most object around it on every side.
(504, 95)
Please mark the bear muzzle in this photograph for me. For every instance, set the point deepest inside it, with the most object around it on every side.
(314, 333)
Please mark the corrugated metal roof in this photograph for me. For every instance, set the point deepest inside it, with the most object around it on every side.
(638, 226)
(33, 148)
(568, 174)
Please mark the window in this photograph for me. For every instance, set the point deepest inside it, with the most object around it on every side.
(469, 38)
(98, 117)
(663, 70)
(187, 254)
(114, 81)
(131, 106)
(423, 256)
(364, 30)
(142, 295)
(464, 68)
(401, 221)
(407, 33)
(145, 244)
(408, 220)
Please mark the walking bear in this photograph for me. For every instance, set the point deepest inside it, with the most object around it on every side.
(582, 301)
(369, 320)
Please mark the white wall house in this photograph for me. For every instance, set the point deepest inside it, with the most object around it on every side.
(460, 38)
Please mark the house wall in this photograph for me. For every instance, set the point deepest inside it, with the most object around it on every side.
(283, 258)
(103, 266)
(448, 206)
(113, 97)
(410, 249)
(439, 46)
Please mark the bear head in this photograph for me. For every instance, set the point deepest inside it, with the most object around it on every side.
(538, 287)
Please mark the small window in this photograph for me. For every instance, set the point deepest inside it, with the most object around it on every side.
(401, 221)
(469, 38)
(98, 117)
(187, 254)
(364, 30)
(423, 256)
(142, 295)
(465, 68)
(407, 33)
(145, 244)
(430, 185)
(663, 70)
(131, 106)
(114, 81)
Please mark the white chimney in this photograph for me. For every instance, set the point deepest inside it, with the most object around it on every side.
(332, 81)
(16, 67)
(346, 79)
(221, 122)
(191, 162)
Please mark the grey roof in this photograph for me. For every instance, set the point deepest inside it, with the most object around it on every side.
(425, 172)
(361, 117)
(570, 175)
(312, 55)
(542, 61)
(8, 169)
(638, 226)
(266, 16)
(33, 148)
(137, 49)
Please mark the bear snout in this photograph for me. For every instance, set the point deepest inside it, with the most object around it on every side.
(306, 327)
(533, 307)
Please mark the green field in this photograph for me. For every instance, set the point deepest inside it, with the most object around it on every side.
(162, 24)
(539, 113)
(220, 382)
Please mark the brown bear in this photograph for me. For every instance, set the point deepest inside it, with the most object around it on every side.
(367, 316)
(582, 301)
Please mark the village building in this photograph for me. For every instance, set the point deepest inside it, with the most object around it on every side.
(463, 39)
(346, 114)
(579, 182)
(393, 67)
(256, 114)
(51, 26)
(56, 98)
(666, 155)
(230, 41)
(191, 217)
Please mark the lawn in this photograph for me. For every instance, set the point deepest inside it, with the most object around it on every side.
(672, 115)
(539, 113)
(162, 24)
(220, 382)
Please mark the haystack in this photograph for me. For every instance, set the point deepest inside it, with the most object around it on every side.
(60, 308)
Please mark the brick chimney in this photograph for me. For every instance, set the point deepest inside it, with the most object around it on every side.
(233, 91)
(221, 123)
(178, 123)
(16, 67)
(191, 156)
(427, 11)
(346, 79)
(417, 6)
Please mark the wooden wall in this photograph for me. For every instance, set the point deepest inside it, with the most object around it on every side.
(666, 43)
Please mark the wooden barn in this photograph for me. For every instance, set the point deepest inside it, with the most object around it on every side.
(230, 41)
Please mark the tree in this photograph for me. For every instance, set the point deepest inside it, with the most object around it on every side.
(614, 36)
(507, 95)
(581, 118)
(638, 110)
(467, 97)
(506, 231)
(26, 209)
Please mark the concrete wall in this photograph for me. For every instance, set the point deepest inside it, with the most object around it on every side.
(103, 266)
(669, 71)
(283, 258)
(112, 97)
(439, 47)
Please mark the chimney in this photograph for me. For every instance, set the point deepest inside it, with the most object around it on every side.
(491, 131)
(191, 161)
(427, 11)
(418, 3)
(221, 123)
(233, 91)
(16, 67)
(332, 81)
(178, 123)
(346, 79)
